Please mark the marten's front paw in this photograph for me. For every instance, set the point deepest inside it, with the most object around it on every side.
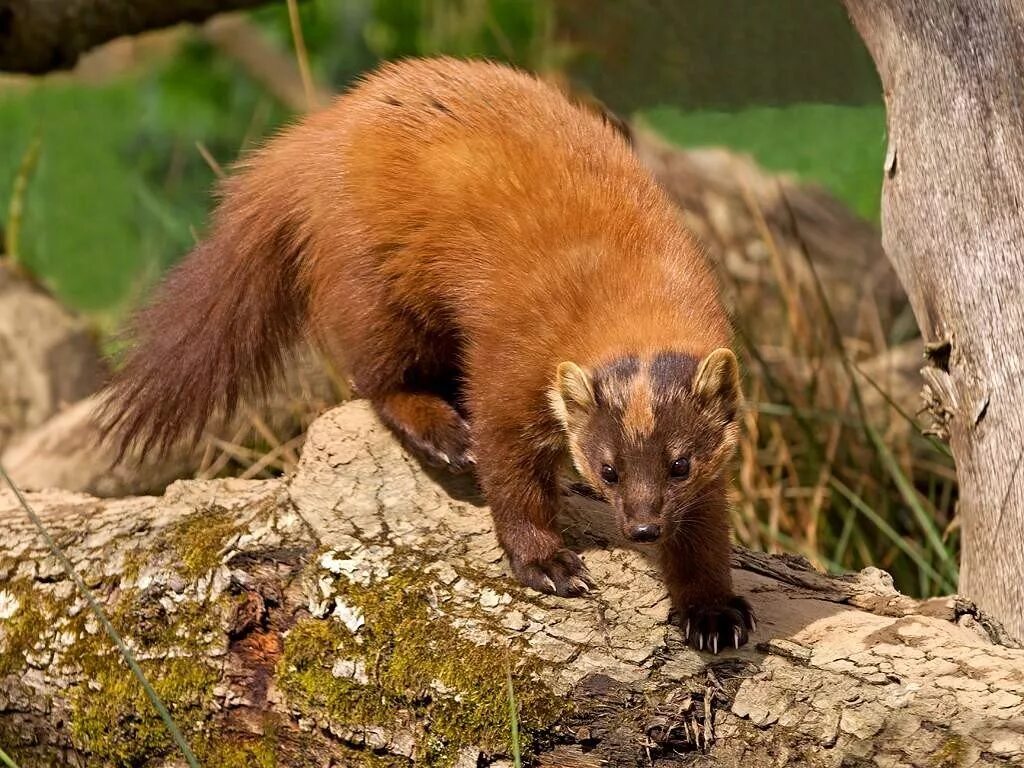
(563, 574)
(710, 626)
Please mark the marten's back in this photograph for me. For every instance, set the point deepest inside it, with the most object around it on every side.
(465, 200)
(469, 186)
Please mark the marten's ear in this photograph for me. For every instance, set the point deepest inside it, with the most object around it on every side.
(572, 393)
(716, 385)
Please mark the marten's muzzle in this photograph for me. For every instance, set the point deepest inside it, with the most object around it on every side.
(642, 523)
(644, 532)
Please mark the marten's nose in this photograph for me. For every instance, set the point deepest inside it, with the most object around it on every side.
(647, 532)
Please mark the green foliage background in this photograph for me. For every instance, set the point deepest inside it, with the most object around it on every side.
(120, 190)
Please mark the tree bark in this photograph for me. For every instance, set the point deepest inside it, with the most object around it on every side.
(262, 438)
(38, 36)
(48, 356)
(952, 224)
(361, 611)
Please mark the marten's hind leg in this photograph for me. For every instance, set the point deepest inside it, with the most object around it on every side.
(410, 374)
(428, 426)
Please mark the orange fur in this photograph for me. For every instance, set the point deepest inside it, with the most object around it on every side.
(445, 225)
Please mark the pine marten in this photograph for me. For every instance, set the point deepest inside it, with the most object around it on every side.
(509, 288)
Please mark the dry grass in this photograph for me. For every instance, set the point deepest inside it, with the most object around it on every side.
(265, 438)
(830, 465)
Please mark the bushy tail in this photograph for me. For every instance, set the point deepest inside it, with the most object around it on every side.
(219, 325)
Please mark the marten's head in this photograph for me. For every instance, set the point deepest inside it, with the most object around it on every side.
(650, 435)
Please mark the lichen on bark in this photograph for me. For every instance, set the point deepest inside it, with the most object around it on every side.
(385, 654)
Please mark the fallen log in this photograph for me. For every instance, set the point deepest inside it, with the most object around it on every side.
(358, 612)
(67, 451)
(49, 357)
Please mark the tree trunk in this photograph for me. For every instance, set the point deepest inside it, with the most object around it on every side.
(952, 224)
(38, 36)
(360, 613)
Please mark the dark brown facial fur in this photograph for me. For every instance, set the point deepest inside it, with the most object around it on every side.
(650, 448)
(654, 436)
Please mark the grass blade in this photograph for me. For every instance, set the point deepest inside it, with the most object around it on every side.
(7, 760)
(844, 536)
(908, 549)
(301, 54)
(16, 207)
(934, 442)
(101, 616)
(513, 716)
(910, 496)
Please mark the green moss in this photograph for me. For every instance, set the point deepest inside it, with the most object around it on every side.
(239, 753)
(951, 754)
(20, 632)
(114, 721)
(200, 538)
(134, 559)
(37, 612)
(195, 544)
(417, 663)
(310, 650)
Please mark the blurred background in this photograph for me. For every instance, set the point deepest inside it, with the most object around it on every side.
(762, 118)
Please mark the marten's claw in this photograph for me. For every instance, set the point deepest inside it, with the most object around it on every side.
(562, 574)
(578, 583)
(429, 428)
(714, 626)
(449, 450)
(445, 449)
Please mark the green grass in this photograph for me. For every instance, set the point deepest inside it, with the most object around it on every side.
(118, 187)
(513, 719)
(838, 147)
(78, 229)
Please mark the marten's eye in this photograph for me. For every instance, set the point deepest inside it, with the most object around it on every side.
(609, 475)
(680, 468)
